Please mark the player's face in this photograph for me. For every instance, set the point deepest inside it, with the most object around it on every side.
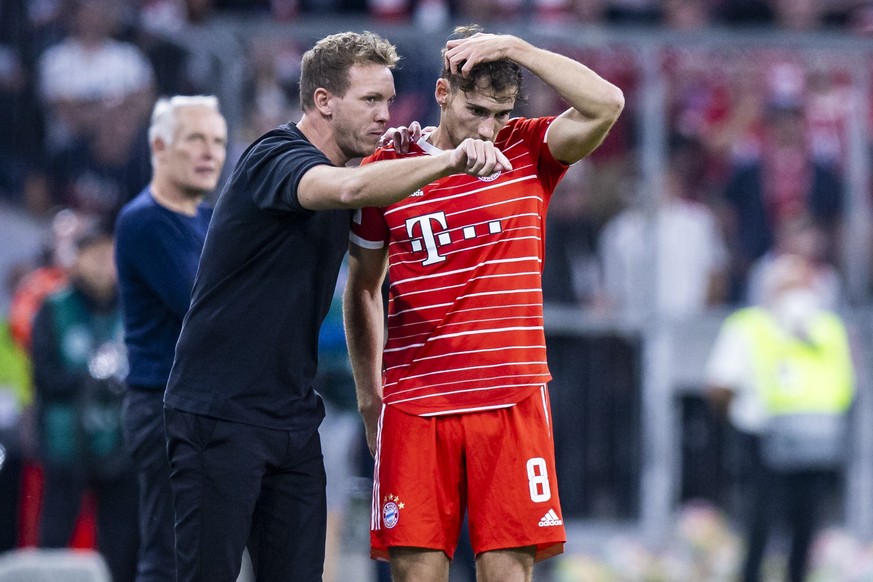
(478, 115)
(194, 159)
(360, 117)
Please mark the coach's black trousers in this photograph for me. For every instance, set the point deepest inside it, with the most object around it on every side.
(237, 485)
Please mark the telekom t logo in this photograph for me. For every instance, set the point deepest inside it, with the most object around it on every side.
(433, 239)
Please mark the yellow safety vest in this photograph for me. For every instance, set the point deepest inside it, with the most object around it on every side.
(796, 376)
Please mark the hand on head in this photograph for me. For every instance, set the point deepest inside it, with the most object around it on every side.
(463, 54)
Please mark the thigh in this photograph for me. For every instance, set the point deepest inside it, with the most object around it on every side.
(216, 469)
(513, 500)
(288, 528)
(143, 424)
(418, 488)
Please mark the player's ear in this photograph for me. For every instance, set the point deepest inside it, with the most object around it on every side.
(441, 92)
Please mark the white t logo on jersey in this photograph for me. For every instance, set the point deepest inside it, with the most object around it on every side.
(430, 238)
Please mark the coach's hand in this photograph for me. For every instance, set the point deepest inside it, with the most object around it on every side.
(479, 158)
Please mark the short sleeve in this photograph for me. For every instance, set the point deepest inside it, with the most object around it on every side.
(272, 168)
(369, 229)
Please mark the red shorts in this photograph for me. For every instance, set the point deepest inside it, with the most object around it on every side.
(498, 464)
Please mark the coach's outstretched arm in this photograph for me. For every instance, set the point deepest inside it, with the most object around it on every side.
(595, 103)
(379, 184)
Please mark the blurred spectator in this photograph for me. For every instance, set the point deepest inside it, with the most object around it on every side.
(20, 118)
(48, 277)
(783, 183)
(571, 272)
(22, 237)
(746, 13)
(15, 396)
(802, 237)
(78, 365)
(271, 90)
(210, 58)
(680, 246)
(90, 70)
(783, 374)
(97, 174)
(686, 14)
(634, 12)
(798, 15)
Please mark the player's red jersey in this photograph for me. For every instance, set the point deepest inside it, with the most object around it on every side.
(465, 314)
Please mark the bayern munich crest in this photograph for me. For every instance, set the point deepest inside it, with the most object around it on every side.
(490, 178)
(391, 511)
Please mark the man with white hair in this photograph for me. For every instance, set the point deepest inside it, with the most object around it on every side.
(160, 236)
(783, 374)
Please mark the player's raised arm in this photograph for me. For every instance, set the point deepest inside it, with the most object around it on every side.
(595, 103)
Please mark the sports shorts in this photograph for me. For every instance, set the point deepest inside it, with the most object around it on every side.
(497, 464)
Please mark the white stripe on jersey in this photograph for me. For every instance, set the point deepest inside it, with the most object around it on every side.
(431, 200)
(367, 244)
(471, 332)
(463, 353)
(442, 394)
(446, 371)
(375, 512)
(466, 410)
(543, 395)
(443, 275)
(467, 282)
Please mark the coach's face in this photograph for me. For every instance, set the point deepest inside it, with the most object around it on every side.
(194, 159)
(360, 117)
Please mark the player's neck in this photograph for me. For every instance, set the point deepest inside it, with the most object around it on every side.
(439, 138)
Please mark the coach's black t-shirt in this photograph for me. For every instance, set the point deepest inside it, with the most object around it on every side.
(248, 347)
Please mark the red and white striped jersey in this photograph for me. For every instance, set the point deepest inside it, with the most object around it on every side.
(465, 313)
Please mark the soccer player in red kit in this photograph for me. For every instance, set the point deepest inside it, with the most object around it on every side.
(455, 401)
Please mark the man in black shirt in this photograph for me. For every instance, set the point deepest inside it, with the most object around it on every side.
(240, 411)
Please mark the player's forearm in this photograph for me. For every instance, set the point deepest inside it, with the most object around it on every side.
(592, 96)
(378, 184)
(364, 335)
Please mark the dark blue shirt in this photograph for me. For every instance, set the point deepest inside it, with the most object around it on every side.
(157, 251)
(248, 351)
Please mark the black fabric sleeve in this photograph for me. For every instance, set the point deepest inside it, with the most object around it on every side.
(273, 169)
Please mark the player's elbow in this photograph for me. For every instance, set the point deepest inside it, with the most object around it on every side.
(613, 104)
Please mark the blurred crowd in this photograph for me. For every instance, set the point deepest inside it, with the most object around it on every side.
(756, 137)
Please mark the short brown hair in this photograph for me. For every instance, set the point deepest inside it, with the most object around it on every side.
(493, 76)
(327, 64)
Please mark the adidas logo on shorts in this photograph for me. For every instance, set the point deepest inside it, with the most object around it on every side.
(551, 518)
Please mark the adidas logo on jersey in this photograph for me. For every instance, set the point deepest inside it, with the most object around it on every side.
(550, 519)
